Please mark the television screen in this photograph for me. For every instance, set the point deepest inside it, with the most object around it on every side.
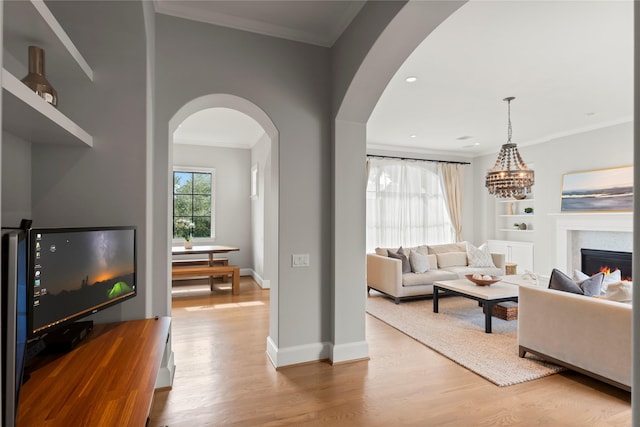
(75, 272)
(14, 319)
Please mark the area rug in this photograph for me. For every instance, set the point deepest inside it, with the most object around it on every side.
(457, 332)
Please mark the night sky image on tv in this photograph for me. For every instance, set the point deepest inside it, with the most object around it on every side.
(76, 271)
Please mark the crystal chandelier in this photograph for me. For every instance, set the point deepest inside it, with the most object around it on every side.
(510, 177)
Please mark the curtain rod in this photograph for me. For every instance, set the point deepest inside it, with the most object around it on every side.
(422, 160)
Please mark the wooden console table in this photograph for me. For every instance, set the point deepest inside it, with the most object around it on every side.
(107, 380)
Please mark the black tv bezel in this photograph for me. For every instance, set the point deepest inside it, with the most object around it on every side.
(90, 310)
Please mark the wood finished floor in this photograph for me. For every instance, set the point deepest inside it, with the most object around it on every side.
(223, 377)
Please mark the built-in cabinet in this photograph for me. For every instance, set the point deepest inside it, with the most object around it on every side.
(520, 253)
(24, 113)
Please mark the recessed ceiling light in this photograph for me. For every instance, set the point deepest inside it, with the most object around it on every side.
(413, 136)
(411, 79)
(462, 138)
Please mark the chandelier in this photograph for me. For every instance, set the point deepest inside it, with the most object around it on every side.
(510, 177)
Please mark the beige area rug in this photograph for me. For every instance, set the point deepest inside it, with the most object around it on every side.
(457, 332)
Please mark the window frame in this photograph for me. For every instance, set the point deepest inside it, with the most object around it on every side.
(192, 169)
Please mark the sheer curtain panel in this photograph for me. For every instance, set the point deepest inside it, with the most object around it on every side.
(406, 204)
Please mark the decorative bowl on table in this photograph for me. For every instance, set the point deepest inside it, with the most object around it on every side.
(483, 281)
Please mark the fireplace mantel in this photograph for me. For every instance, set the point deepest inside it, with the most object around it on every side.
(567, 223)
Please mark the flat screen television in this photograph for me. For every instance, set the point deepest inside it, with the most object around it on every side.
(14, 320)
(76, 272)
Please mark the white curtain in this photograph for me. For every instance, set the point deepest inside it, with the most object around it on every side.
(406, 204)
(452, 175)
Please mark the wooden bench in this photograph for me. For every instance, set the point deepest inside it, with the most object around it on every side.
(191, 262)
(202, 262)
(209, 271)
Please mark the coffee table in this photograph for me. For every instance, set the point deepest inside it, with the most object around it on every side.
(485, 295)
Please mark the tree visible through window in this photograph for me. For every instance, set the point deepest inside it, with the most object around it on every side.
(192, 202)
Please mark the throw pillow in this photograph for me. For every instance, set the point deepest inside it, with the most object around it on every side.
(562, 282)
(479, 257)
(620, 291)
(593, 285)
(406, 266)
(613, 277)
(419, 261)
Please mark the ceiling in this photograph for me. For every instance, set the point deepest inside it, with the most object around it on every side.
(569, 65)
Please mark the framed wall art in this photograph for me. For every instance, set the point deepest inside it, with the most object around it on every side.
(598, 190)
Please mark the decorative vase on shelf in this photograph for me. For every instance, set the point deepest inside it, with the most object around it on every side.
(35, 80)
(510, 208)
(188, 244)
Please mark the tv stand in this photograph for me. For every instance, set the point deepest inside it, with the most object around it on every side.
(66, 338)
(107, 380)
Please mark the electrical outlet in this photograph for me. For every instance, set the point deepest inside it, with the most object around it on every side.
(300, 260)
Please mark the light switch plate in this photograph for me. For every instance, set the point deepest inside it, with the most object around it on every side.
(300, 260)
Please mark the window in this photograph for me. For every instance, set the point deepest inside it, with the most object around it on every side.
(193, 203)
(405, 205)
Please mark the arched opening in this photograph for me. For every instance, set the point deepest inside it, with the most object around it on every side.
(264, 207)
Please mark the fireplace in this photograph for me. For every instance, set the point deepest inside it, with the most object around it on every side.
(595, 260)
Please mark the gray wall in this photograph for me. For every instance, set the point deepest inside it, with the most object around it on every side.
(290, 82)
(598, 149)
(232, 202)
(103, 185)
(16, 180)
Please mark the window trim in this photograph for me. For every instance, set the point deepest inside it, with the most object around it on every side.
(213, 202)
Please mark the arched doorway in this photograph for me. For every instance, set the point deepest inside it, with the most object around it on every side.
(267, 179)
(408, 26)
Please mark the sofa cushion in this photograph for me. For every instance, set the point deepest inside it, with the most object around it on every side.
(419, 261)
(447, 247)
(419, 279)
(382, 251)
(479, 257)
(406, 266)
(433, 261)
(451, 259)
(589, 287)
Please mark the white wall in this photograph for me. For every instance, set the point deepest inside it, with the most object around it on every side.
(231, 196)
(260, 157)
(598, 149)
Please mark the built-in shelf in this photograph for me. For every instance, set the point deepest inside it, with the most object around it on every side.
(30, 22)
(31, 118)
(517, 216)
(515, 230)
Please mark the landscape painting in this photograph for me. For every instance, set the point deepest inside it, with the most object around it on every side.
(598, 190)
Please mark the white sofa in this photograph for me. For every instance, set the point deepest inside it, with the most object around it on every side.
(586, 334)
(384, 274)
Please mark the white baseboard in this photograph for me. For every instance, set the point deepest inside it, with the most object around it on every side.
(298, 354)
(350, 351)
(264, 284)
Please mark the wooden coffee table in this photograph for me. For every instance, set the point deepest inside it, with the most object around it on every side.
(485, 295)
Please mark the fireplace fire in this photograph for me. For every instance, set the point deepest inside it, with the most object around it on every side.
(596, 260)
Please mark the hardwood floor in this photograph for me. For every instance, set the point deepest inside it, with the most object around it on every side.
(224, 377)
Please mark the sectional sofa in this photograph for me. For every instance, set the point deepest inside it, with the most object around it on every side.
(446, 262)
(587, 334)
